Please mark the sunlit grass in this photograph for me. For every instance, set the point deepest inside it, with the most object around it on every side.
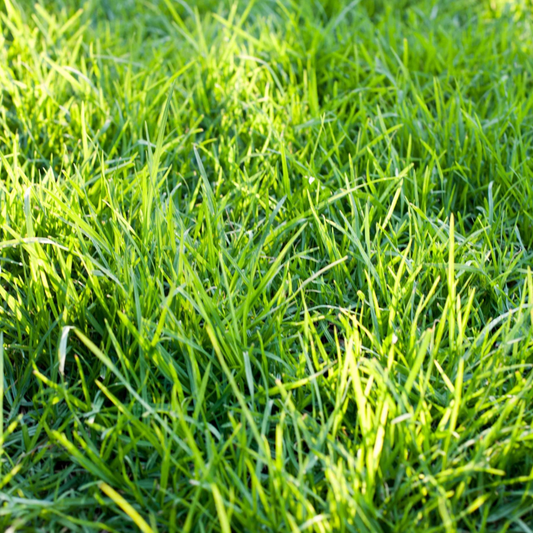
(266, 266)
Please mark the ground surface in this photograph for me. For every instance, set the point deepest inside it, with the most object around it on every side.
(266, 267)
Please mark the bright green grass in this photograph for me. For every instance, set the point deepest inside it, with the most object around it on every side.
(266, 267)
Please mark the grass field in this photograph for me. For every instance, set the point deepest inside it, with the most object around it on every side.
(266, 266)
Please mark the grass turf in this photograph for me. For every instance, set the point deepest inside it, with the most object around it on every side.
(266, 266)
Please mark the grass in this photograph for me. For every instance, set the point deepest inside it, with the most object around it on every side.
(266, 266)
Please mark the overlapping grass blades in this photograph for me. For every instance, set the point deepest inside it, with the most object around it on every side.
(266, 266)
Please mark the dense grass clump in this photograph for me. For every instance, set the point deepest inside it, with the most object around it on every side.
(266, 266)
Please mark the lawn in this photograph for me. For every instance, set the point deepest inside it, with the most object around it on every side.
(266, 266)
